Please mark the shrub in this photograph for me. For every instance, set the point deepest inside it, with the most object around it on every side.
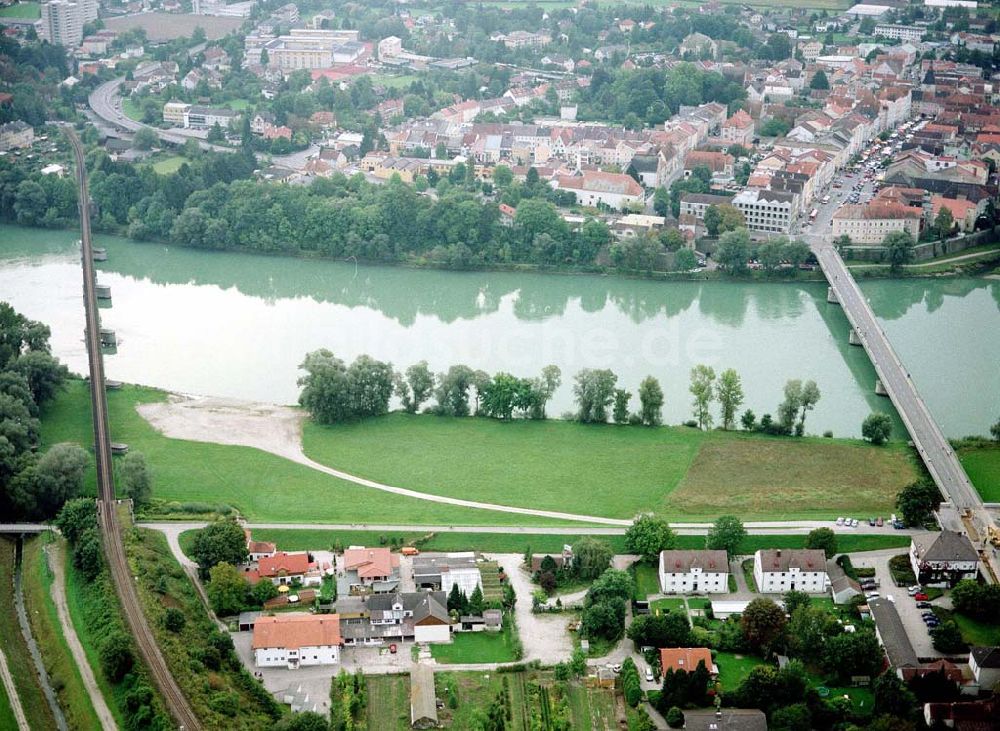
(228, 704)
(116, 656)
(675, 717)
(947, 638)
(174, 619)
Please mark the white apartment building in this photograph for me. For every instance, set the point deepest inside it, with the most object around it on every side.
(688, 572)
(63, 20)
(591, 188)
(777, 571)
(390, 47)
(174, 113)
(766, 211)
(870, 224)
(207, 117)
(695, 204)
(899, 32)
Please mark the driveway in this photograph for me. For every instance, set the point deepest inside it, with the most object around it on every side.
(906, 606)
(545, 637)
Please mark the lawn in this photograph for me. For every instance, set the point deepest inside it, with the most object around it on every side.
(733, 668)
(614, 472)
(14, 648)
(983, 467)
(47, 631)
(647, 580)
(782, 478)
(8, 722)
(388, 702)
(390, 81)
(169, 165)
(26, 10)
(471, 647)
(747, 567)
(262, 486)
(973, 631)
(667, 604)
(131, 110)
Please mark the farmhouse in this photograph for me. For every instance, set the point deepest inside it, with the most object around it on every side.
(281, 568)
(688, 572)
(421, 616)
(778, 571)
(296, 640)
(259, 549)
(943, 559)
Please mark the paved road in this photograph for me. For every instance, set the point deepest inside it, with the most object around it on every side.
(931, 444)
(12, 696)
(56, 556)
(105, 102)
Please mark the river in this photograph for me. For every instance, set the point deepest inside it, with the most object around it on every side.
(238, 325)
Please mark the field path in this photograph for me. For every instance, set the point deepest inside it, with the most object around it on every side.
(278, 430)
(11, 689)
(56, 557)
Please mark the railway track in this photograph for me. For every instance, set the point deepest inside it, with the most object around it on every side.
(114, 548)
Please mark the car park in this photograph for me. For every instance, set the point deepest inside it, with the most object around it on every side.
(924, 605)
(871, 522)
(871, 595)
(912, 590)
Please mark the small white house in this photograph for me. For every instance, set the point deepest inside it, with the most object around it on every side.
(984, 662)
(689, 572)
(777, 571)
(296, 640)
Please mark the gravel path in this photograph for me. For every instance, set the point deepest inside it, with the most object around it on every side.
(56, 557)
(11, 689)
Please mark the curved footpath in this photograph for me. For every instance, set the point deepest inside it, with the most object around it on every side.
(56, 558)
(12, 696)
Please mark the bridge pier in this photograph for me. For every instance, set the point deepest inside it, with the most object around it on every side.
(103, 291)
(831, 296)
(108, 338)
(880, 389)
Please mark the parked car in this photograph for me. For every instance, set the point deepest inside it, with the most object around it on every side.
(649, 675)
(924, 605)
(921, 597)
(871, 595)
(854, 522)
(911, 590)
(878, 521)
(898, 525)
(871, 522)
(840, 520)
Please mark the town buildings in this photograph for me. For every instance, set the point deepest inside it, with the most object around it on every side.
(766, 211)
(420, 616)
(593, 188)
(686, 572)
(777, 571)
(307, 48)
(871, 223)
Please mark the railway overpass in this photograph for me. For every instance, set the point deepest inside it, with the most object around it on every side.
(894, 380)
(114, 548)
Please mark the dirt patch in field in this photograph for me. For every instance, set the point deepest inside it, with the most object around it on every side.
(274, 429)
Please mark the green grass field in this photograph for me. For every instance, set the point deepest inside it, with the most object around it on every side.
(131, 110)
(292, 539)
(647, 580)
(470, 647)
(36, 708)
(47, 631)
(8, 722)
(983, 467)
(169, 165)
(973, 631)
(734, 668)
(667, 604)
(616, 472)
(391, 81)
(25, 10)
(388, 702)
(260, 485)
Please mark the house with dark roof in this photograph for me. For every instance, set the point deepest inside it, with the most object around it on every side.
(984, 662)
(690, 572)
(842, 587)
(421, 616)
(892, 636)
(779, 570)
(943, 559)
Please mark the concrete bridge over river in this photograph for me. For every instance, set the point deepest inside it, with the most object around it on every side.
(894, 381)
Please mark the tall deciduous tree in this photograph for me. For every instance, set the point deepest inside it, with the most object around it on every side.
(726, 534)
(650, 401)
(420, 381)
(729, 392)
(227, 589)
(136, 478)
(763, 624)
(647, 536)
(591, 557)
(221, 541)
(594, 392)
(899, 249)
(877, 427)
(702, 382)
(823, 538)
(620, 411)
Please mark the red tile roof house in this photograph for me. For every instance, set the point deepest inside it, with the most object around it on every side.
(259, 549)
(282, 568)
(370, 570)
(296, 640)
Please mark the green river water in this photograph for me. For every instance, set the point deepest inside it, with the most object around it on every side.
(238, 325)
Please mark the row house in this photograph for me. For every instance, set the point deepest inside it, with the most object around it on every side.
(738, 129)
(687, 572)
(695, 204)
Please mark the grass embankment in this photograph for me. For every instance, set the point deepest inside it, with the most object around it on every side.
(982, 464)
(95, 612)
(221, 692)
(291, 539)
(260, 485)
(37, 581)
(618, 472)
(36, 708)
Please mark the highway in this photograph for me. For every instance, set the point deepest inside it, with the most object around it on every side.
(114, 549)
(930, 442)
